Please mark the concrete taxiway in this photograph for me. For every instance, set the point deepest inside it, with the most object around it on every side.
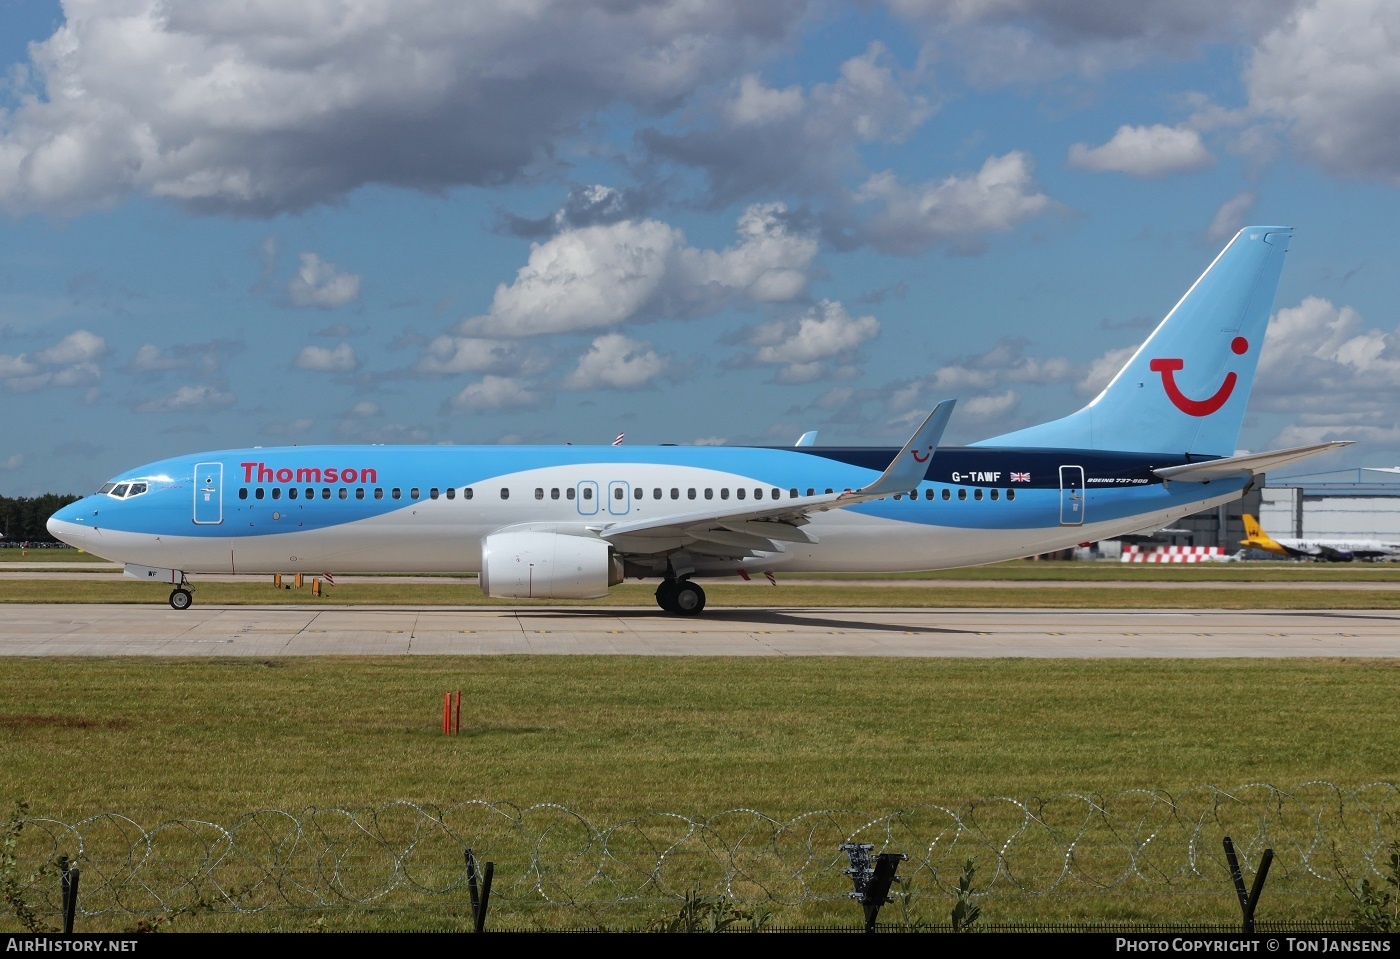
(322, 630)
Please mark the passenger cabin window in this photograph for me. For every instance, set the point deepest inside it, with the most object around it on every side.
(690, 493)
(739, 492)
(310, 492)
(588, 492)
(724, 493)
(258, 493)
(947, 493)
(291, 492)
(996, 494)
(344, 493)
(962, 492)
(569, 493)
(433, 493)
(539, 492)
(379, 492)
(617, 493)
(792, 494)
(276, 492)
(1011, 494)
(413, 493)
(396, 493)
(675, 492)
(928, 493)
(656, 493)
(325, 492)
(467, 493)
(638, 492)
(505, 493)
(554, 492)
(451, 493)
(243, 492)
(359, 492)
(977, 493)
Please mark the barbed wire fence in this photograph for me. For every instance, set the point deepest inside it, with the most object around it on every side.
(549, 860)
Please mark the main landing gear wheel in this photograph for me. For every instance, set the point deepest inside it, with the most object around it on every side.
(666, 595)
(181, 598)
(687, 598)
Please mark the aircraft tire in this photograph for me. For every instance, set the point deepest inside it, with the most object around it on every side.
(687, 599)
(181, 598)
(666, 595)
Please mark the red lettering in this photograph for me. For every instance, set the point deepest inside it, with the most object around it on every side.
(284, 476)
(264, 474)
(349, 475)
(332, 475)
(248, 471)
(368, 475)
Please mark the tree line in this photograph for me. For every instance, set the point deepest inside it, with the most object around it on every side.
(22, 518)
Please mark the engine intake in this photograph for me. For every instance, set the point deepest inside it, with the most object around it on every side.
(530, 565)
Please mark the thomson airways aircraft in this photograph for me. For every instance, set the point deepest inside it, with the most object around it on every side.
(1330, 550)
(567, 522)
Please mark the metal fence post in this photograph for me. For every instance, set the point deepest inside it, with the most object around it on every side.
(1248, 900)
(68, 879)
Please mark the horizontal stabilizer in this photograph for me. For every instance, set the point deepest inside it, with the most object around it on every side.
(1234, 467)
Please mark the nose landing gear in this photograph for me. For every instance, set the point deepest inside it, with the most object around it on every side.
(181, 598)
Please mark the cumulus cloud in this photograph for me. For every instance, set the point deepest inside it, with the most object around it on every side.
(318, 283)
(642, 269)
(766, 138)
(957, 211)
(1331, 71)
(1144, 151)
(497, 393)
(591, 205)
(72, 361)
(1001, 42)
(189, 398)
(264, 108)
(1102, 370)
(616, 362)
(323, 359)
(208, 357)
(445, 355)
(12, 462)
(1230, 217)
(1319, 356)
(803, 347)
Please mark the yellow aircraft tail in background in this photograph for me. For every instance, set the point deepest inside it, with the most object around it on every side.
(1256, 538)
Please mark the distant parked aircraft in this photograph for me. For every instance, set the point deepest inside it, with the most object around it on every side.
(565, 522)
(1330, 550)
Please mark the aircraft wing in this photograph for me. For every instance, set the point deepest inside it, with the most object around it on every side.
(743, 530)
(1243, 466)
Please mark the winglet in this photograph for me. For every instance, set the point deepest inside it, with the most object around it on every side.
(808, 438)
(907, 470)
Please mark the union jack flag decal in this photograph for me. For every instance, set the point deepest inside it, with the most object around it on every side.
(1020, 477)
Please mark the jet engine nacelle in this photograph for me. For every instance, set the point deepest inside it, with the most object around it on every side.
(528, 565)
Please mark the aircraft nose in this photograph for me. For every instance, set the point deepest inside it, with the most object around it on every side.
(62, 526)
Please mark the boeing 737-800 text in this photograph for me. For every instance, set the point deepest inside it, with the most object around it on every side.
(565, 522)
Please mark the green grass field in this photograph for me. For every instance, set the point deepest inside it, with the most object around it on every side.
(611, 738)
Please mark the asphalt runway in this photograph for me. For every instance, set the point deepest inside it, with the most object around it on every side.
(271, 631)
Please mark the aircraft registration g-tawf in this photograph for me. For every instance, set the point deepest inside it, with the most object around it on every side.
(569, 522)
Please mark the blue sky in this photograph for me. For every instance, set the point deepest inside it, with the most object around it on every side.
(708, 221)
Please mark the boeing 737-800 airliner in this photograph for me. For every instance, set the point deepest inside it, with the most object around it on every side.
(567, 522)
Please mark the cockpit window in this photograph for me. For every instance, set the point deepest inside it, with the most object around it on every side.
(123, 490)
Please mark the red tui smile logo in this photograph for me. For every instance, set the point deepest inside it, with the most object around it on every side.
(1207, 406)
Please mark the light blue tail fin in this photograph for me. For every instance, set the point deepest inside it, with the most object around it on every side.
(1185, 389)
